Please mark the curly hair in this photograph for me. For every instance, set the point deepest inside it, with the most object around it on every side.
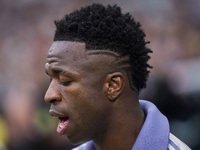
(106, 28)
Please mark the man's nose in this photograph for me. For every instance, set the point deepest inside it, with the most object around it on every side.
(52, 94)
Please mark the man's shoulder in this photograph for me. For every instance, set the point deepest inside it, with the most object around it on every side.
(176, 144)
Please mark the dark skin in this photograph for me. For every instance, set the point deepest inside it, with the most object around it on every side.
(95, 96)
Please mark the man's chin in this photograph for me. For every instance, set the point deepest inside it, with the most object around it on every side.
(75, 141)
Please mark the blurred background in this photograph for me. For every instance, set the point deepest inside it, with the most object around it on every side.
(26, 33)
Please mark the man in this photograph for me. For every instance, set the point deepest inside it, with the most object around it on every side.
(97, 65)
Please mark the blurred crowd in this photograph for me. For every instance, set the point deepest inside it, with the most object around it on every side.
(26, 33)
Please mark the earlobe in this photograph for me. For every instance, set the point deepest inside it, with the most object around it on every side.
(114, 85)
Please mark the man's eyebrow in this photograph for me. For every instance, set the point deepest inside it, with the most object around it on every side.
(61, 71)
(55, 71)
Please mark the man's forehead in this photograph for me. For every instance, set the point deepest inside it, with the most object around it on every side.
(64, 47)
(73, 55)
(76, 50)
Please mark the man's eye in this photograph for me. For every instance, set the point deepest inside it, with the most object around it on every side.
(66, 83)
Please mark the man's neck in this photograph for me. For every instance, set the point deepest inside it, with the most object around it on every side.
(124, 129)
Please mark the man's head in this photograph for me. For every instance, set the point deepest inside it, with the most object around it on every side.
(106, 28)
(97, 64)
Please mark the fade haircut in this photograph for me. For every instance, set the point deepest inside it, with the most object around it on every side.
(106, 28)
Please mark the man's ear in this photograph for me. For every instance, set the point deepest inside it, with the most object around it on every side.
(114, 85)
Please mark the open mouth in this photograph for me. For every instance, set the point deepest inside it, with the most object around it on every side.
(62, 125)
(63, 121)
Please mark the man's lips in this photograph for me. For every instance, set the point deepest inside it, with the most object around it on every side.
(54, 113)
(63, 121)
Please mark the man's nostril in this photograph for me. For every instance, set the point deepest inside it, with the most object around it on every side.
(53, 101)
